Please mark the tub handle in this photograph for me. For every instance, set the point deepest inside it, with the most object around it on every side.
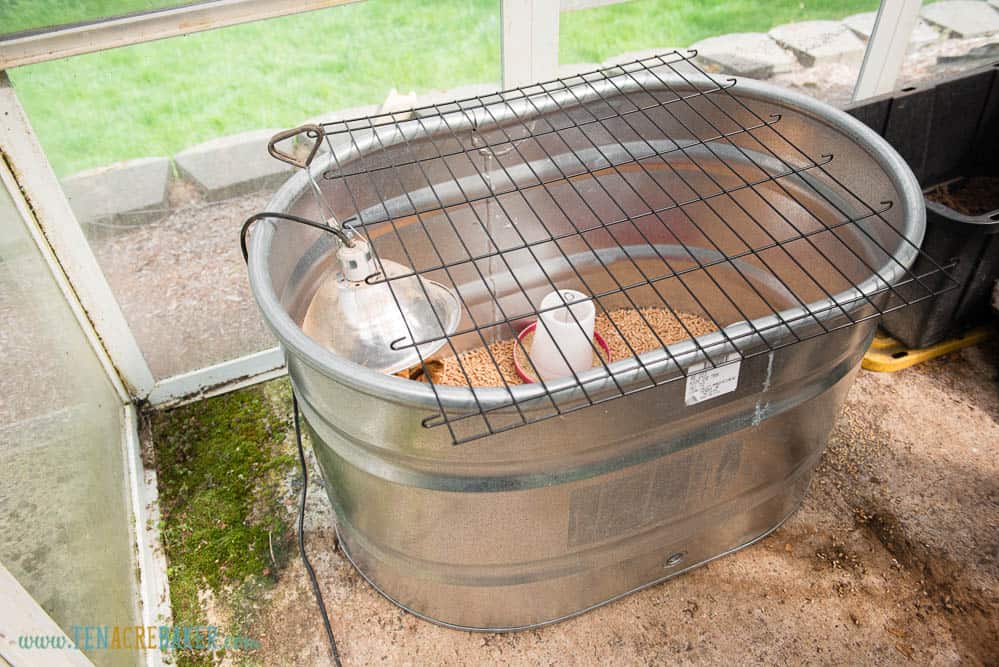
(313, 132)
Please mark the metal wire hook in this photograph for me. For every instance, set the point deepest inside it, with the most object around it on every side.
(313, 132)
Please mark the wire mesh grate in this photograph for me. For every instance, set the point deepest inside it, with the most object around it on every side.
(650, 187)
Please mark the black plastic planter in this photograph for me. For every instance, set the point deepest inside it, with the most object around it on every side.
(971, 244)
(946, 131)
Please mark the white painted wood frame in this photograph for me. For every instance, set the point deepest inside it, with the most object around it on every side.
(20, 616)
(72, 40)
(887, 47)
(154, 588)
(529, 41)
(218, 379)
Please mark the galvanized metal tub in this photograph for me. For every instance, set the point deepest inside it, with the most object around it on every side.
(539, 523)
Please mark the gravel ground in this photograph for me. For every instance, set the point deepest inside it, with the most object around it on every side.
(181, 283)
(892, 559)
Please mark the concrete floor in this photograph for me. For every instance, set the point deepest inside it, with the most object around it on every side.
(892, 559)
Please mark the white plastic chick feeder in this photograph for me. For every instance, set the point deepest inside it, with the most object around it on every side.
(563, 339)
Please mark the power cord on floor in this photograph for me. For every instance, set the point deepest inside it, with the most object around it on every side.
(301, 536)
(298, 427)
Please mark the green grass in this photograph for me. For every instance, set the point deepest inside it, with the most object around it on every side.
(158, 98)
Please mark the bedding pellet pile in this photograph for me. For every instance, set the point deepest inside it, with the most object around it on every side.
(662, 328)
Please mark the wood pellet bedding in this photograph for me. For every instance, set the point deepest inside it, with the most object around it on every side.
(478, 366)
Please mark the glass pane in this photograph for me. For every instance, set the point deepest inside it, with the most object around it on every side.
(64, 511)
(165, 228)
(20, 15)
(819, 59)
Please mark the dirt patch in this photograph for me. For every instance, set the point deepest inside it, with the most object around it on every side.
(184, 194)
(970, 612)
(914, 455)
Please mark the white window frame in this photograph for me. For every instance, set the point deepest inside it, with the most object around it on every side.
(886, 49)
(20, 616)
(56, 42)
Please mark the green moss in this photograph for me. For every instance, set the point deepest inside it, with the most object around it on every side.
(221, 464)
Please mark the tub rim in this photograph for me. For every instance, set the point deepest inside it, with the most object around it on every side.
(677, 356)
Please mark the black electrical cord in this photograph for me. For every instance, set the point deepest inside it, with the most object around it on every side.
(301, 536)
(290, 218)
(298, 430)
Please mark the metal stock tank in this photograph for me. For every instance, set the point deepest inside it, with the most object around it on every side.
(538, 523)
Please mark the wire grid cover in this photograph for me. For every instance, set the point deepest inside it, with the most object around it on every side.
(649, 184)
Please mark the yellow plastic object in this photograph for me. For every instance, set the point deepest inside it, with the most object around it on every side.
(887, 355)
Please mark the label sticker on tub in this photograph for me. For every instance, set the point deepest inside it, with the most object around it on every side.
(705, 382)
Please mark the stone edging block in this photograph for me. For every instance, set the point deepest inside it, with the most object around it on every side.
(863, 26)
(820, 42)
(963, 18)
(133, 191)
(234, 165)
(752, 54)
